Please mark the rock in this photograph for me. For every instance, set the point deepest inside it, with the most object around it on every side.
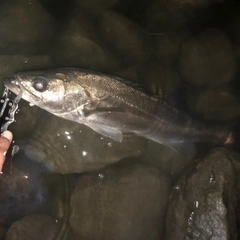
(169, 161)
(25, 27)
(24, 187)
(125, 36)
(161, 18)
(74, 148)
(10, 64)
(208, 59)
(167, 46)
(78, 45)
(121, 202)
(215, 104)
(203, 202)
(38, 226)
(127, 73)
(95, 7)
(26, 119)
(159, 78)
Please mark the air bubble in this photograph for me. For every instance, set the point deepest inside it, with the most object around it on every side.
(101, 176)
(177, 187)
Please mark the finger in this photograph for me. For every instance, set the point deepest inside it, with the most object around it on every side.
(5, 141)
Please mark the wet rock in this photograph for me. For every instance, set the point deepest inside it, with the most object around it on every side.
(68, 147)
(217, 104)
(169, 161)
(125, 36)
(203, 202)
(127, 73)
(10, 64)
(121, 202)
(38, 226)
(95, 7)
(159, 78)
(26, 119)
(78, 45)
(167, 46)
(23, 187)
(208, 59)
(25, 27)
(160, 19)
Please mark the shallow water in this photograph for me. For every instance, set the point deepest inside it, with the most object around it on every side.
(68, 182)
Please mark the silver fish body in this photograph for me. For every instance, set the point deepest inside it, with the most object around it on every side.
(111, 105)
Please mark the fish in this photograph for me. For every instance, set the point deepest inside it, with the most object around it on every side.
(113, 106)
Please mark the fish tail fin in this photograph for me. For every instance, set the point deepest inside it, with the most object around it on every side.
(233, 138)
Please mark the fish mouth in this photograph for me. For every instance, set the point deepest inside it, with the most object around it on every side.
(15, 86)
(12, 85)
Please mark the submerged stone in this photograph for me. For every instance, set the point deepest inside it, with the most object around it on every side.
(79, 45)
(25, 27)
(203, 202)
(215, 104)
(128, 202)
(37, 226)
(68, 147)
(208, 59)
(125, 36)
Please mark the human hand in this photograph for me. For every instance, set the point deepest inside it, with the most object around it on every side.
(5, 141)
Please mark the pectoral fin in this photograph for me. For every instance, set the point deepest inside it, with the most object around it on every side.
(88, 112)
(184, 148)
(112, 133)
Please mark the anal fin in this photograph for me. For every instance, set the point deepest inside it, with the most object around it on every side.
(112, 133)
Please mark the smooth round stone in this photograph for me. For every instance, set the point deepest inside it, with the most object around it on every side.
(203, 202)
(78, 45)
(161, 18)
(68, 147)
(25, 27)
(159, 78)
(95, 7)
(121, 202)
(208, 59)
(215, 104)
(127, 73)
(37, 226)
(168, 45)
(169, 161)
(125, 36)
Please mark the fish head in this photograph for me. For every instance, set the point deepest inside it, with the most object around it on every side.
(53, 91)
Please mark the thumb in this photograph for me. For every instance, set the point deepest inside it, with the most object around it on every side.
(5, 141)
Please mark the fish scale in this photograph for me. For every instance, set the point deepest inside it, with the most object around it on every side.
(111, 105)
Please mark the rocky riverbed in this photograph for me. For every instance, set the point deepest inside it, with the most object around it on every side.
(68, 182)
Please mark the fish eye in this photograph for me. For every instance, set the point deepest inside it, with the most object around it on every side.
(40, 84)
